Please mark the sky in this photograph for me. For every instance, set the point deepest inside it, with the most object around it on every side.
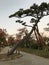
(8, 7)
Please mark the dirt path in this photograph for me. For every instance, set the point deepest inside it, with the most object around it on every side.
(27, 59)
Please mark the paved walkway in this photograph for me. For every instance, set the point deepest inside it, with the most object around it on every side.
(27, 59)
(5, 50)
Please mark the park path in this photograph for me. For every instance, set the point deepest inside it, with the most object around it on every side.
(27, 59)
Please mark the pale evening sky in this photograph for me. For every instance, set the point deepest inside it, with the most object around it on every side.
(8, 7)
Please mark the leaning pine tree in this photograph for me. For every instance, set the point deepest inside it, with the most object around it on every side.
(37, 12)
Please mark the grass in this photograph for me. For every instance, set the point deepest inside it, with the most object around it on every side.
(42, 53)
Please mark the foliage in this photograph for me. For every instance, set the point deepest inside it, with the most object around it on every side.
(11, 40)
(33, 44)
(35, 10)
(21, 33)
(2, 37)
(43, 53)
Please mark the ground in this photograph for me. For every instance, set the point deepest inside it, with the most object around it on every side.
(26, 59)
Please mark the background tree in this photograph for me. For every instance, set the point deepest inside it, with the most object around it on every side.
(11, 41)
(47, 38)
(47, 28)
(21, 33)
(2, 37)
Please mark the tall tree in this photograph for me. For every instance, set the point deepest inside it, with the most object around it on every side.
(37, 12)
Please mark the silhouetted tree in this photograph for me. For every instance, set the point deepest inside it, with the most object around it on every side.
(37, 12)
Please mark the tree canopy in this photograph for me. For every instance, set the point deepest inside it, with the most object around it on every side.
(36, 11)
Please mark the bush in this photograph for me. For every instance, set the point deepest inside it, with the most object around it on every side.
(33, 44)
